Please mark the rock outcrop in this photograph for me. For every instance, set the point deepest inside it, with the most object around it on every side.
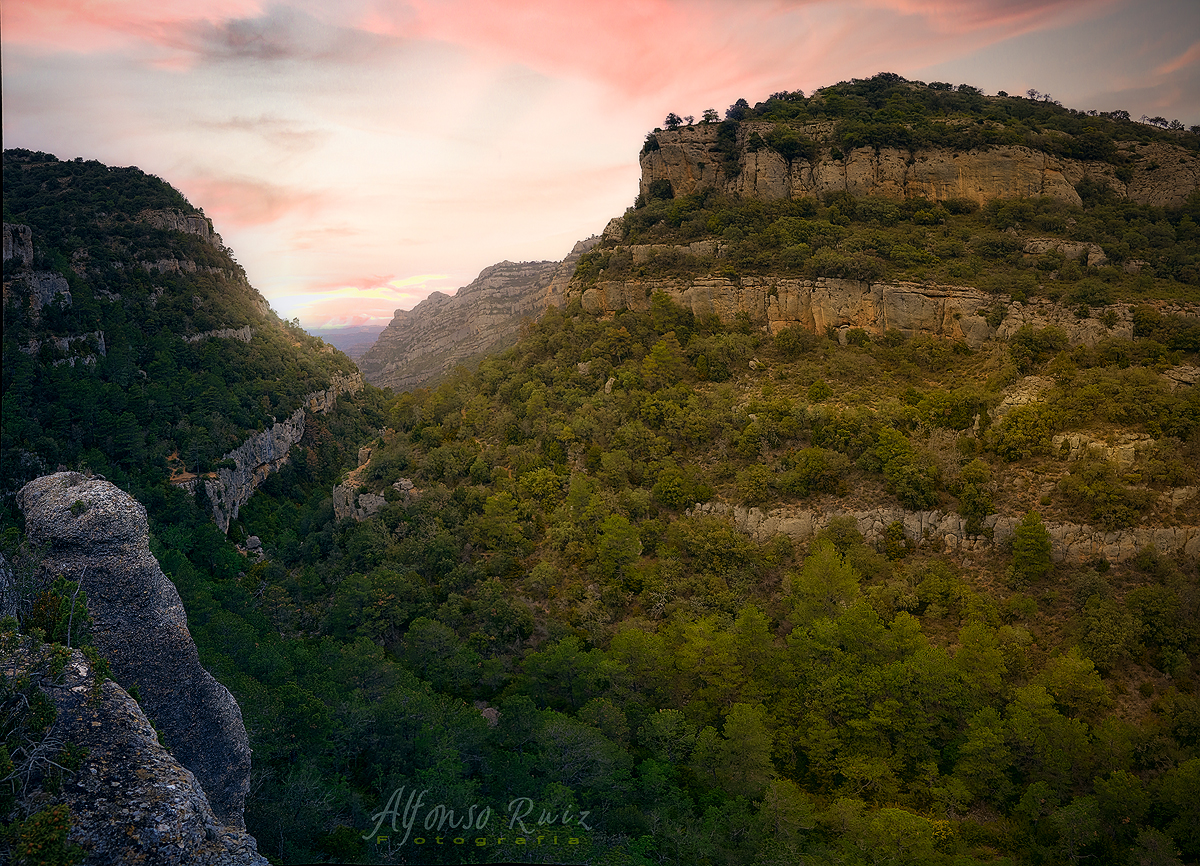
(130, 801)
(263, 453)
(39, 288)
(940, 531)
(446, 330)
(689, 158)
(95, 533)
(827, 304)
(245, 334)
(189, 223)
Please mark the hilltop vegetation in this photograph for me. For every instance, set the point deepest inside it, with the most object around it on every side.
(890, 111)
(706, 697)
(1148, 252)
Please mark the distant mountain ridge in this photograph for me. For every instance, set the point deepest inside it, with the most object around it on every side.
(486, 315)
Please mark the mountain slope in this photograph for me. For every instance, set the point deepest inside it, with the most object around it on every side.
(442, 331)
(134, 344)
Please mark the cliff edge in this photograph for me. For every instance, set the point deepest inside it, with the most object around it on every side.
(95, 533)
(130, 801)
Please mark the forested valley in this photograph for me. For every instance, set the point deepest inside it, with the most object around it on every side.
(545, 608)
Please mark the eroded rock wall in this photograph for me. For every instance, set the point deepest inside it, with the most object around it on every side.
(265, 452)
(95, 533)
(822, 304)
(690, 159)
(946, 531)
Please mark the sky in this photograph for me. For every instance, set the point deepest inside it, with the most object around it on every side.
(358, 155)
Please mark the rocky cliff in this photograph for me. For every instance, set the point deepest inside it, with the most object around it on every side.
(94, 533)
(689, 157)
(130, 800)
(446, 330)
(263, 453)
(946, 532)
(827, 304)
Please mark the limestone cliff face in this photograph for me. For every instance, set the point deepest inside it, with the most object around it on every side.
(37, 289)
(130, 801)
(265, 452)
(443, 330)
(690, 159)
(95, 533)
(821, 304)
(176, 220)
(945, 532)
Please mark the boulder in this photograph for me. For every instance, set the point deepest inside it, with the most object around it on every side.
(95, 533)
(130, 801)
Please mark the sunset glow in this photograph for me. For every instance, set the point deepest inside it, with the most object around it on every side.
(357, 156)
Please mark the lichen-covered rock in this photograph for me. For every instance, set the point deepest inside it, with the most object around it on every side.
(95, 533)
(130, 801)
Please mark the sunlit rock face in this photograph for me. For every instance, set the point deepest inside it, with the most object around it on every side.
(688, 157)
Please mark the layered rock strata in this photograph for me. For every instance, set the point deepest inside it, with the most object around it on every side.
(946, 532)
(265, 452)
(690, 159)
(95, 533)
(485, 316)
(130, 801)
(824, 305)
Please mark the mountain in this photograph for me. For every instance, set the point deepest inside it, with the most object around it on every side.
(136, 350)
(822, 528)
(886, 204)
(354, 340)
(135, 346)
(443, 331)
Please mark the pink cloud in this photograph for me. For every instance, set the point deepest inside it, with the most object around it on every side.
(641, 47)
(1184, 60)
(85, 26)
(241, 202)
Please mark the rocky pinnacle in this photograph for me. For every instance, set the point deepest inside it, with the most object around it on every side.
(92, 530)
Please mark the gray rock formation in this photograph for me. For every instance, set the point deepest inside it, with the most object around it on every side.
(263, 453)
(946, 532)
(40, 288)
(95, 533)
(685, 157)
(189, 223)
(443, 330)
(823, 303)
(245, 334)
(348, 503)
(18, 245)
(131, 801)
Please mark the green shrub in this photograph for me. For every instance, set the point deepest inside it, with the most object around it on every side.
(1031, 551)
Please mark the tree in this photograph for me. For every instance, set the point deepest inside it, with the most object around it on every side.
(710, 116)
(738, 110)
(673, 121)
(1031, 550)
